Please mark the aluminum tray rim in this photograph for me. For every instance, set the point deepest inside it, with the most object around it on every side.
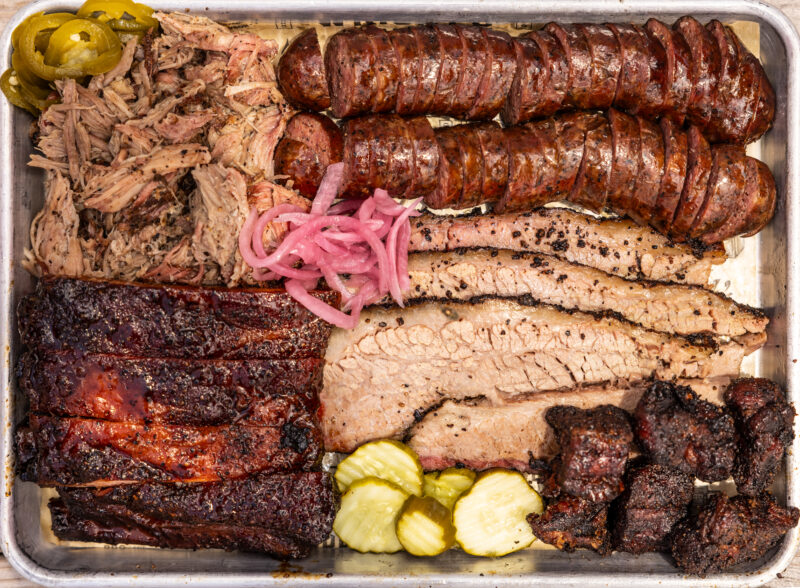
(420, 10)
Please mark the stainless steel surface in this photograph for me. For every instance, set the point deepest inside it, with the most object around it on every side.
(771, 280)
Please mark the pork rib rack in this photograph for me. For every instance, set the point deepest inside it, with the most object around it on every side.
(702, 74)
(176, 417)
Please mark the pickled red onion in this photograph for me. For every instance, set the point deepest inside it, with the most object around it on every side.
(360, 248)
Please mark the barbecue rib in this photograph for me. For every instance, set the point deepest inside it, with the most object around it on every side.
(296, 507)
(170, 321)
(171, 391)
(515, 435)
(55, 451)
(422, 355)
(618, 247)
(655, 498)
(123, 526)
(729, 531)
(704, 74)
(661, 176)
(685, 310)
(764, 421)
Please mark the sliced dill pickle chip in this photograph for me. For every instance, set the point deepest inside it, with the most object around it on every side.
(388, 460)
(368, 515)
(490, 517)
(446, 486)
(425, 526)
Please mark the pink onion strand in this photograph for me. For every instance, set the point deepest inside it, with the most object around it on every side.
(360, 249)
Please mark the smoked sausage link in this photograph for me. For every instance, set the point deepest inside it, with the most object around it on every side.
(659, 175)
(701, 74)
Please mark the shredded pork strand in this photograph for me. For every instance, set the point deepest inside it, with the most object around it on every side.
(152, 167)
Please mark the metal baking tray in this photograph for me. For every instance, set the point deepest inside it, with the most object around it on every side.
(765, 272)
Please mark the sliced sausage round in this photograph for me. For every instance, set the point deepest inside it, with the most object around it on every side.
(634, 75)
(494, 154)
(575, 47)
(678, 81)
(606, 63)
(651, 172)
(357, 139)
(451, 173)
(728, 85)
(657, 88)
(695, 186)
(350, 69)
(311, 142)
(472, 71)
(301, 163)
(405, 46)
(391, 156)
(571, 141)
(301, 73)
(753, 209)
(501, 64)
(765, 104)
(705, 70)
(725, 185)
(430, 62)
(556, 70)
(527, 93)
(741, 104)
(675, 161)
(762, 204)
(472, 165)
(451, 47)
(626, 146)
(591, 186)
(387, 70)
(525, 165)
(426, 157)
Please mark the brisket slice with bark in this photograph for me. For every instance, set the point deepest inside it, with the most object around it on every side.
(670, 308)
(425, 354)
(54, 451)
(171, 391)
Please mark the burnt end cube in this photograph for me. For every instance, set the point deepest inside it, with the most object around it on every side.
(730, 531)
(571, 523)
(656, 497)
(594, 447)
(675, 428)
(764, 421)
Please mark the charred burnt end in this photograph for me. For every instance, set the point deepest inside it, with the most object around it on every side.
(594, 446)
(730, 531)
(675, 428)
(571, 523)
(656, 497)
(764, 421)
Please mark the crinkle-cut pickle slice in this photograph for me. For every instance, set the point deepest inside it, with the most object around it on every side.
(368, 515)
(490, 517)
(425, 527)
(386, 459)
(446, 486)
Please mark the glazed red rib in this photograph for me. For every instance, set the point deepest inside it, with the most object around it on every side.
(54, 451)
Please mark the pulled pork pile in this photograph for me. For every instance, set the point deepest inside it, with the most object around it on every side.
(153, 167)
